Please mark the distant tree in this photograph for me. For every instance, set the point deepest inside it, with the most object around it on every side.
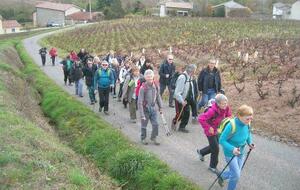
(111, 8)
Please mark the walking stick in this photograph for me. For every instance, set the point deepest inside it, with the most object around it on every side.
(174, 124)
(221, 173)
(167, 130)
(248, 153)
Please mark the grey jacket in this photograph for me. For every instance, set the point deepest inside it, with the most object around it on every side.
(148, 97)
(182, 87)
(128, 88)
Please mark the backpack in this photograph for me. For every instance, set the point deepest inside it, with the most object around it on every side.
(174, 80)
(140, 82)
(225, 123)
(145, 89)
(100, 72)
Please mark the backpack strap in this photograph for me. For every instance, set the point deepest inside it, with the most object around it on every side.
(233, 128)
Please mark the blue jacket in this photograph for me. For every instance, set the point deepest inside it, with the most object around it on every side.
(103, 78)
(240, 138)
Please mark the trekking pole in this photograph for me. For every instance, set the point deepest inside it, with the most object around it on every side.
(174, 127)
(167, 130)
(248, 153)
(219, 175)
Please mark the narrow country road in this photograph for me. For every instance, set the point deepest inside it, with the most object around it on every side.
(272, 166)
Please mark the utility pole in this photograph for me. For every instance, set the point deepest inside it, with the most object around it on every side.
(90, 10)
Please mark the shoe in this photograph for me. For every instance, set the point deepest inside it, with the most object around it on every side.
(214, 170)
(183, 130)
(201, 157)
(171, 106)
(154, 141)
(92, 103)
(106, 112)
(221, 181)
(81, 96)
(95, 101)
(133, 120)
(114, 96)
(100, 109)
(144, 142)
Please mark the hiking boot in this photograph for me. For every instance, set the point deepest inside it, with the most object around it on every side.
(154, 141)
(214, 170)
(133, 120)
(201, 157)
(114, 96)
(92, 103)
(183, 130)
(144, 142)
(106, 112)
(221, 181)
(100, 109)
(171, 106)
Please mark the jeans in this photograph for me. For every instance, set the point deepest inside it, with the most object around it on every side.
(234, 172)
(171, 92)
(78, 87)
(211, 93)
(213, 150)
(150, 114)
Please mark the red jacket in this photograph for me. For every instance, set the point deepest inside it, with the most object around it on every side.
(212, 118)
(53, 52)
(73, 56)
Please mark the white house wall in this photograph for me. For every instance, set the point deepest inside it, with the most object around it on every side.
(71, 11)
(295, 11)
(1, 29)
(44, 16)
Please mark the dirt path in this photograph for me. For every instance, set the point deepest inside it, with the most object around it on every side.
(272, 166)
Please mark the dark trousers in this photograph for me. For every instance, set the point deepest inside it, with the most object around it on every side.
(43, 59)
(67, 77)
(121, 90)
(213, 150)
(171, 92)
(53, 60)
(184, 117)
(194, 108)
(103, 98)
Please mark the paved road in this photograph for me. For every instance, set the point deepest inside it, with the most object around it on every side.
(272, 166)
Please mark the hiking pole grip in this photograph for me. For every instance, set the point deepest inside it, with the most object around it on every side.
(221, 173)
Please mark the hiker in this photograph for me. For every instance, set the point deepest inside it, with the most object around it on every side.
(73, 56)
(109, 58)
(166, 71)
(210, 120)
(129, 89)
(67, 66)
(125, 69)
(81, 54)
(209, 83)
(194, 102)
(141, 62)
(115, 72)
(148, 97)
(89, 72)
(184, 95)
(53, 54)
(43, 53)
(97, 62)
(234, 145)
(104, 79)
(147, 65)
(77, 77)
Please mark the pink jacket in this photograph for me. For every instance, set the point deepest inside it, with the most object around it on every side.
(212, 118)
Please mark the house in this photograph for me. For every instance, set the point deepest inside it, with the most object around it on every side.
(9, 26)
(230, 9)
(84, 17)
(171, 8)
(281, 11)
(295, 11)
(48, 12)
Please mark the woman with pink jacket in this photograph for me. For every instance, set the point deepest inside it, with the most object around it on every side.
(210, 120)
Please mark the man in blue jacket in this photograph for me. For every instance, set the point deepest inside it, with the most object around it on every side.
(104, 79)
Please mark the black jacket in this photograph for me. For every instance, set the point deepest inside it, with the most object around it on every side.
(144, 68)
(76, 72)
(166, 68)
(204, 77)
(89, 75)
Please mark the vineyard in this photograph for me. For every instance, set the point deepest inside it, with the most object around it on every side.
(259, 60)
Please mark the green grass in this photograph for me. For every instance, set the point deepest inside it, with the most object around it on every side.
(91, 136)
(31, 158)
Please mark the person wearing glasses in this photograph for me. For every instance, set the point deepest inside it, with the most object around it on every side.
(234, 145)
(104, 80)
(209, 83)
(166, 72)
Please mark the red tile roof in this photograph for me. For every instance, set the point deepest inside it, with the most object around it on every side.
(54, 6)
(83, 16)
(10, 24)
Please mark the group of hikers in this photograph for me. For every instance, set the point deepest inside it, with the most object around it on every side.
(139, 91)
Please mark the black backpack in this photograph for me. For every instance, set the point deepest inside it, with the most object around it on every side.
(174, 79)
